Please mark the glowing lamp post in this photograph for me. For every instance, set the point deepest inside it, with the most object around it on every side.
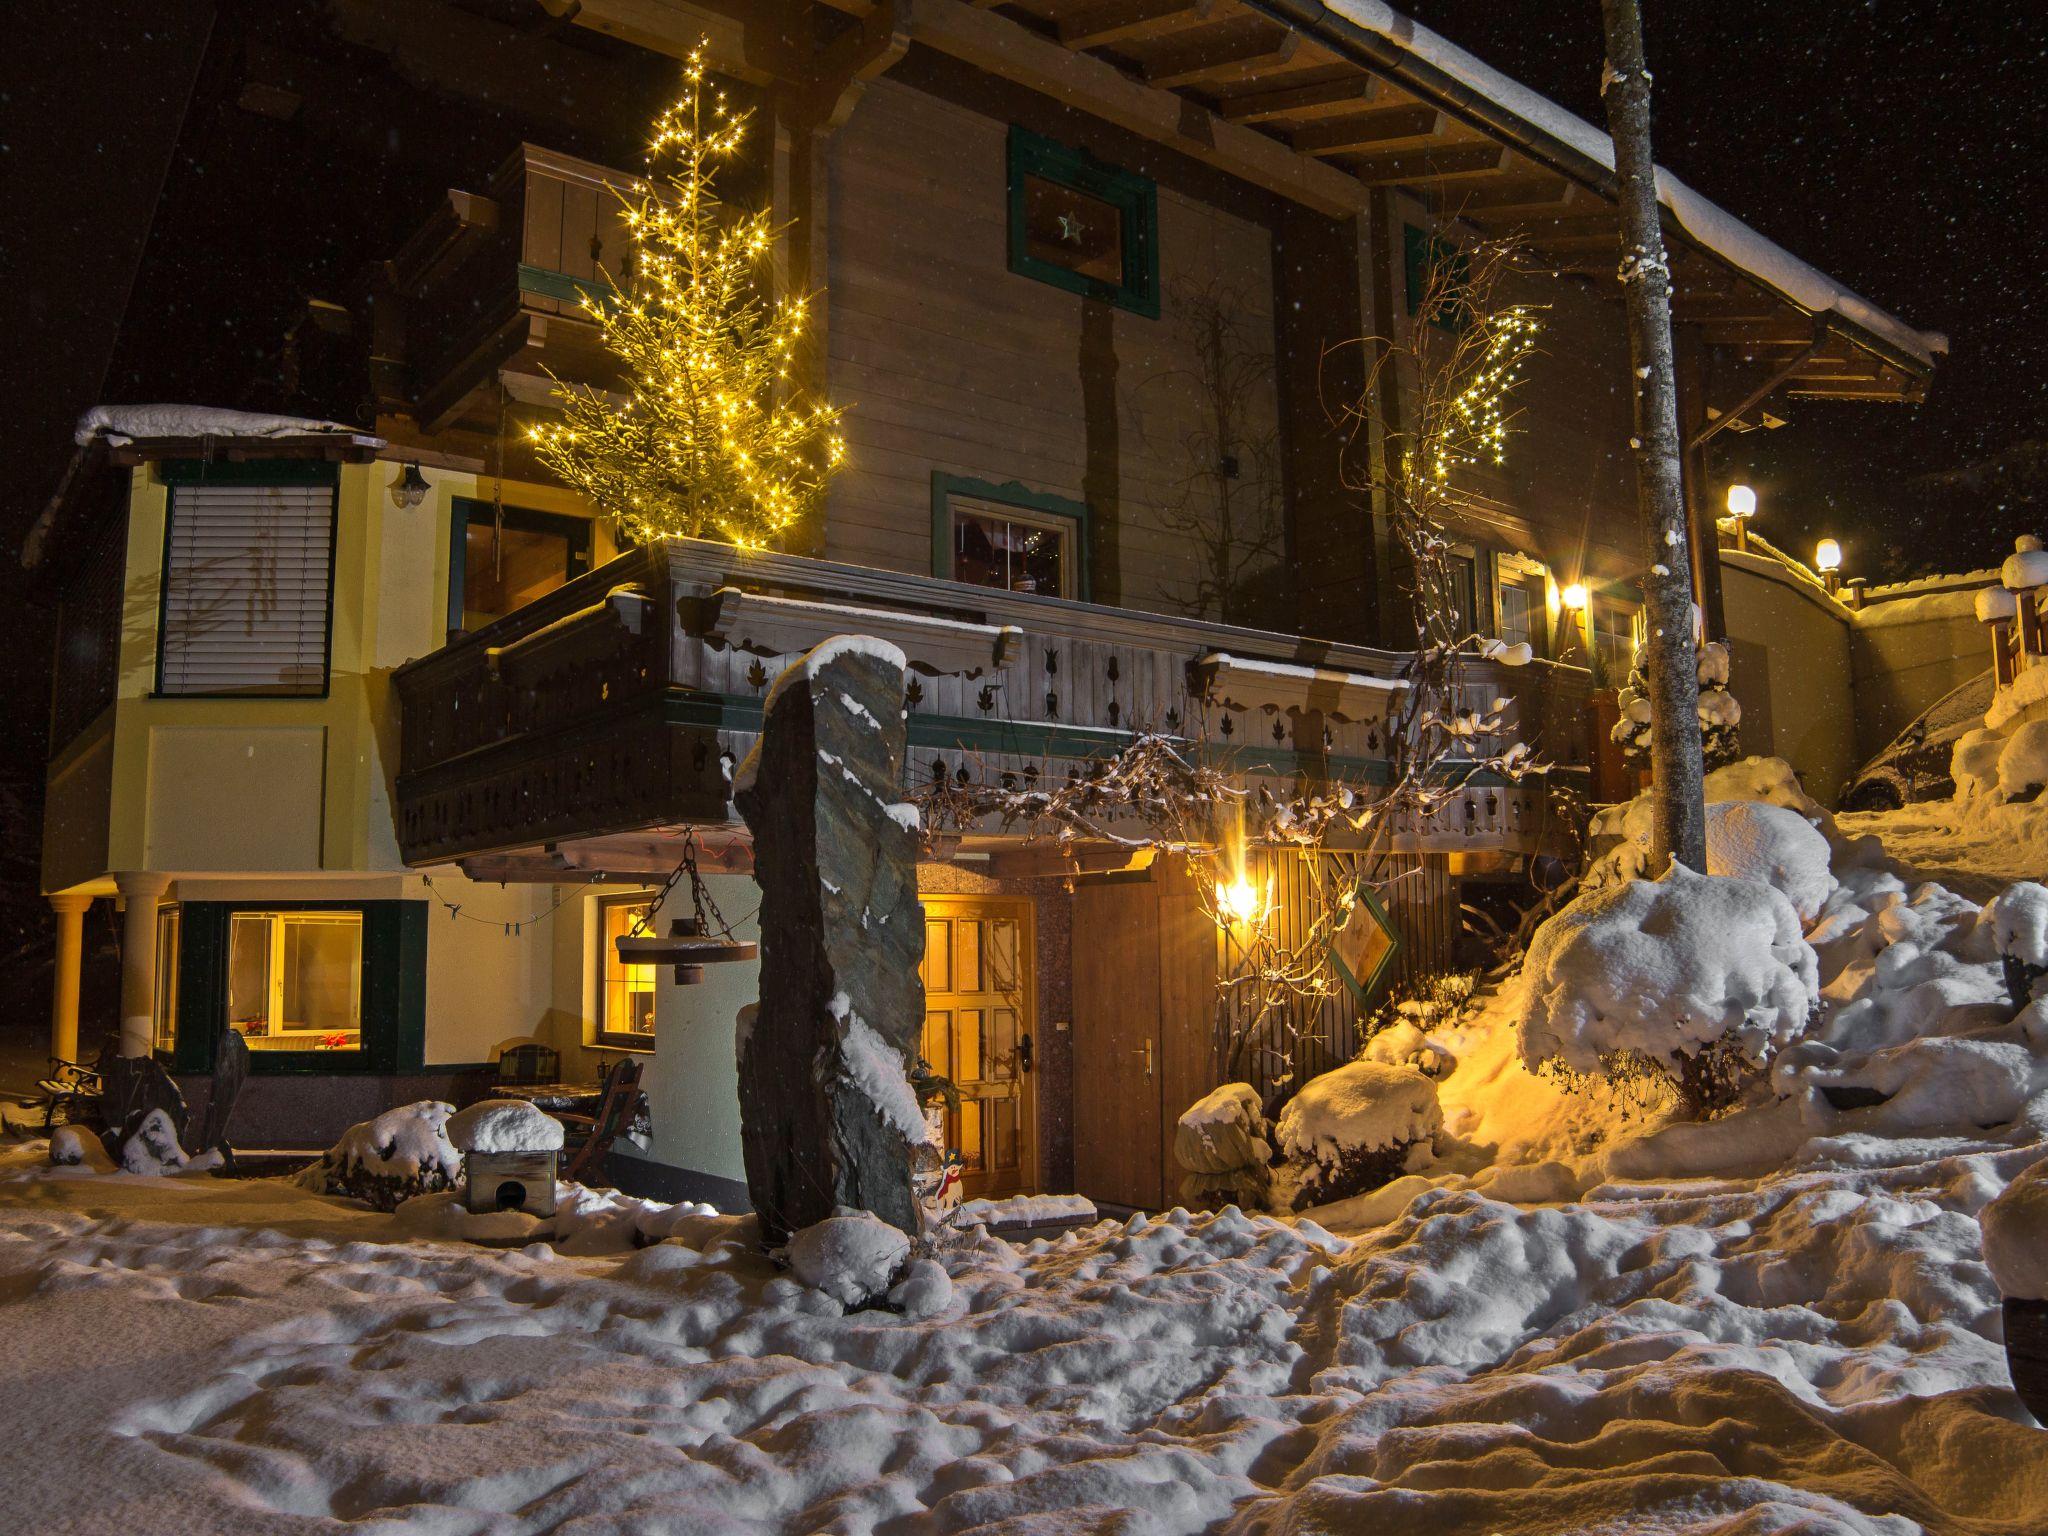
(1741, 508)
(1241, 904)
(1827, 559)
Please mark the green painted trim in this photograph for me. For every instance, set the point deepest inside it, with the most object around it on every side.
(1363, 989)
(248, 472)
(394, 988)
(163, 580)
(550, 284)
(1010, 493)
(1135, 197)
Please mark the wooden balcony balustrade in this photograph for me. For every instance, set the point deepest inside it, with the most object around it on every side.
(621, 702)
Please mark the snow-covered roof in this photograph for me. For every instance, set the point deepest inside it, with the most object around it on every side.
(1706, 223)
(118, 425)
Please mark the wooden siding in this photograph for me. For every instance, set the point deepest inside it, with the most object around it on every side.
(951, 362)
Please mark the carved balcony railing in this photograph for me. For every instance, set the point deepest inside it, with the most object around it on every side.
(621, 701)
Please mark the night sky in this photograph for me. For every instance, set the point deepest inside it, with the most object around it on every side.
(1898, 146)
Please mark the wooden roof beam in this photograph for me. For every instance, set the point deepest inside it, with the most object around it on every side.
(1428, 165)
(1296, 100)
(1002, 48)
(1124, 21)
(1525, 197)
(1392, 128)
(1200, 57)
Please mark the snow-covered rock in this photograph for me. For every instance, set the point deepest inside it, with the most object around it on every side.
(1666, 971)
(401, 1153)
(924, 1291)
(2023, 759)
(503, 1125)
(852, 1257)
(2015, 1228)
(1973, 762)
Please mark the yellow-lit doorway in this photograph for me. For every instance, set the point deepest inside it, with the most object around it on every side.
(981, 1014)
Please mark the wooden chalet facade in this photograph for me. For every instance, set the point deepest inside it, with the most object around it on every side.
(1089, 491)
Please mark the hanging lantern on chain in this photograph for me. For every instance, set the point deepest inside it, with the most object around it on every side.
(693, 942)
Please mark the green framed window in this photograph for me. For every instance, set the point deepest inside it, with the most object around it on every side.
(1081, 225)
(310, 986)
(246, 603)
(1009, 537)
(502, 558)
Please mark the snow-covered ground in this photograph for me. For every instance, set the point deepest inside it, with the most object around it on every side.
(1577, 1317)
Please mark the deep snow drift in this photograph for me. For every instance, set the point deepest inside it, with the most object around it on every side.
(1578, 1316)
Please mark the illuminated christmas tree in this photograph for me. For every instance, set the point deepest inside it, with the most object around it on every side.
(712, 439)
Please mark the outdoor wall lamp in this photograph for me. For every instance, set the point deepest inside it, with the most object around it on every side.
(409, 488)
(1827, 559)
(1575, 597)
(1741, 507)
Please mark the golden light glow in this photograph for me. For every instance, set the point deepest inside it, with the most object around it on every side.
(1575, 596)
(1827, 556)
(1741, 501)
(712, 441)
(1242, 904)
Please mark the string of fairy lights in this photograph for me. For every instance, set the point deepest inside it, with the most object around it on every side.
(713, 440)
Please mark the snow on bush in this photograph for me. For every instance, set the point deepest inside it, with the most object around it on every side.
(1698, 978)
(1973, 762)
(2023, 762)
(1351, 1129)
(1746, 838)
(852, 1257)
(503, 1125)
(402, 1153)
(152, 1147)
(1223, 1147)
(1402, 1044)
(73, 1146)
(2017, 920)
(2015, 1228)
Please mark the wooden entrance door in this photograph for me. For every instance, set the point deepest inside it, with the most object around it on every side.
(1117, 1100)
(980, 1015)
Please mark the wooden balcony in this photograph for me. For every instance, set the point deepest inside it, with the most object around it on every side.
(618, 704)
(489, 290)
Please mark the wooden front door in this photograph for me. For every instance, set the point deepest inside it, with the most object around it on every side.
(980, 1016)
(1117, 1102)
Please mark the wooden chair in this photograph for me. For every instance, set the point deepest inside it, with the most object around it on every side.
(619, 1100)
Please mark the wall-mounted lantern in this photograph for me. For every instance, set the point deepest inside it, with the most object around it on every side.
(409, 488)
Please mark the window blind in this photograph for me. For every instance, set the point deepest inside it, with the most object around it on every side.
(247, 575)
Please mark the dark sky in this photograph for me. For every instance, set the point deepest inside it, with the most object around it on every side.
(1898, 145)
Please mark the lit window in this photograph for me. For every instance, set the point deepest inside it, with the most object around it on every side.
(1518, 601)
(626, 1003)
(506, 557)
(1614, 639)
(167, 978)
(295, 980)
(998, 546)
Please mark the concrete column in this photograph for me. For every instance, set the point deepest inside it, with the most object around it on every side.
(70, 907)
(140, 892)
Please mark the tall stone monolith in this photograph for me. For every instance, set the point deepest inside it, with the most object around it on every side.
(827, 1117)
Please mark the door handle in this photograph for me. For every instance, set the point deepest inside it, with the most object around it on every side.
(1148, 1055)
(1024, 1052)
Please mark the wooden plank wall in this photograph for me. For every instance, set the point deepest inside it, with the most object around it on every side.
(949, 361)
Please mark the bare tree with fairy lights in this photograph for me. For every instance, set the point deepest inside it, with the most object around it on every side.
(1462, 355)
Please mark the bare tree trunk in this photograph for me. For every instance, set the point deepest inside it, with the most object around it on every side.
(1677, 770)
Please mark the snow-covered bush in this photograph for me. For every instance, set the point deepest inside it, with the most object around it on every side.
(1746, 840)
(73, 1146)
(1402, 1044)
(152, 1147)
(2023, 762)
(1618, 837)
(1720, 713)
(1698, 979)
(1224, 1148)
(852, 1257)
(2015, 1228)
(2017, 919)
(1973, 762)
(1351, 1130)
(402, 1153)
